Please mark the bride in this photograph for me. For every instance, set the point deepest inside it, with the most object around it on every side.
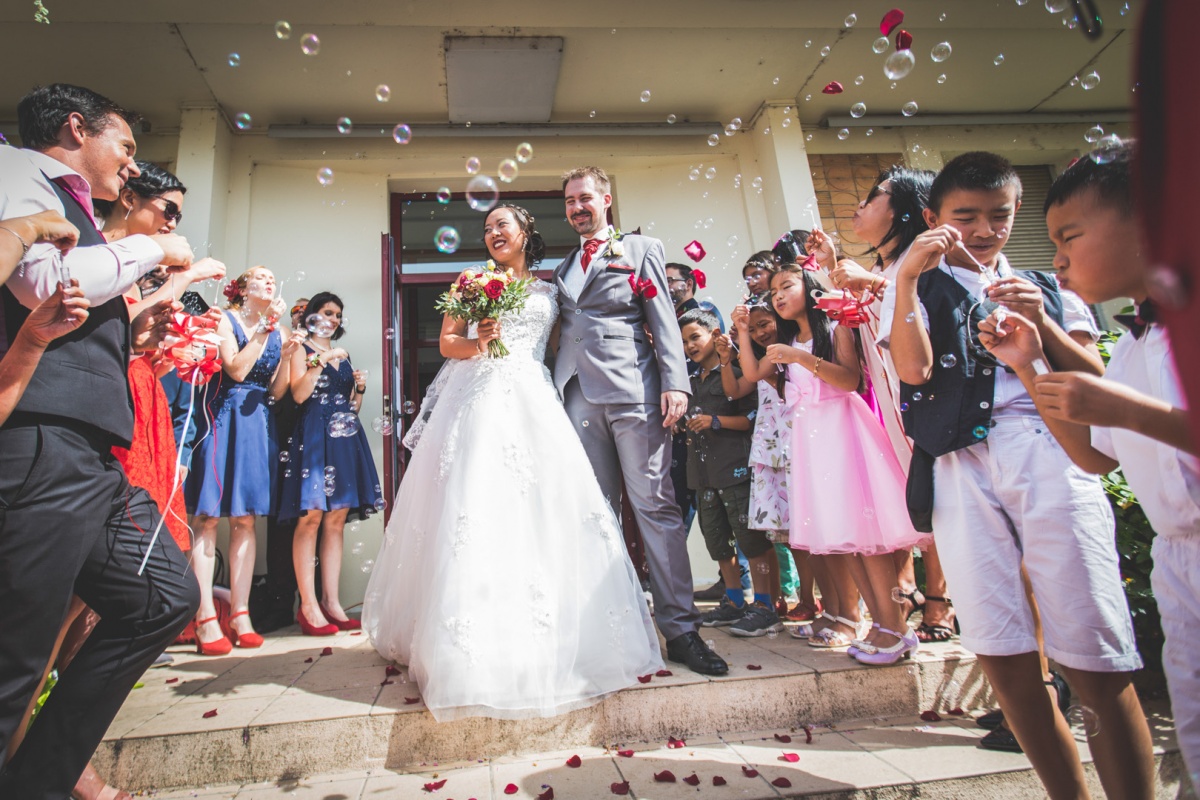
(502, 581)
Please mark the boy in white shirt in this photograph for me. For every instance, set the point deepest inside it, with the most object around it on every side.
(1136, 413)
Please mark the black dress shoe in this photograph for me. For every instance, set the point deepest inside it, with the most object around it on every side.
(691, 650)
(991, 720)
(712, 593)
(1001, 739)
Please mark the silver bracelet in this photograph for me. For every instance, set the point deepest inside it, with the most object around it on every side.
(24, 246)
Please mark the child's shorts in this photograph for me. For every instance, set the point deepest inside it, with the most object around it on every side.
(724, 515)
(1176, 583)
(1015, 498)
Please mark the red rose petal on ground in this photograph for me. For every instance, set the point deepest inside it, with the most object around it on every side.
(719, 781)
(644, 678)
(833, 87)
(308, 661)
(754, 667)
(958, 712)
(511, 789)
(903, 40)
(357, 633)
(210, 714)
(411, 701)
(172, 680)
(433, 787)
(547, 795)
(783, 737)
(808, 734)
(891, 20)
(791, 758)
(621, 788)
(931, 716)
(664, 673)
(328, 651)
(389, 670)
(674, 743)
(692, 780)
(625, 753)
(782, 783)
(574, 762)
(666, 776)
(749, 773)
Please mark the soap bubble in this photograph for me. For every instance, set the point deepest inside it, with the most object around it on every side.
(870, 131)
(671, 119)
(473, 166)
(446, 239)
(949, 360)
(774, 82)
(482, 193)
(409, 407)
(858, 109)
(693, 174)
(710, 644)
(950, 693)
(844, 134)
(941, 51)
(389, 334)
(851, 20)
(234, 60)
(999, 59)
(645, 96)
(368, 564)
(242, 121)
(402, 134)
(322, 381)
(899, 64)
(383, 93)
(1093, 134)
(825, 51)
(1079, 716)
(592, 114)
(731, 241)
(736, 123)
(1090, 81)
(858, 80)
(382, 425)
(756, 183)
(443, 195)
(356, 549)
(310, 45)
(508, 170)
(524, 152)
(299, 276)
(904, 406)
(331, 471)
(1057, 6)
(325, 176)
(1107, 149)
(285, 456)
(283, 29)
(713, 140)
(380, 504)
(941, 78)
(909, 108)
(917, 397)
(881, 45)
(323, 327)
(710, 173)
(787, 122)
(344, 125)
(979, 432)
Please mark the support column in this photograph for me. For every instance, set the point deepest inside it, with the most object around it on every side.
(788, 193)
(203, 166)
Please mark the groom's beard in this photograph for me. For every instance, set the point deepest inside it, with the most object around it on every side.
(584, 224)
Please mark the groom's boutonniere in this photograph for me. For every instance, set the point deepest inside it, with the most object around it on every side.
(615, 248)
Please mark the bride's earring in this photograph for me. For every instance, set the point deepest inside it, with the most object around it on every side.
(127, 213)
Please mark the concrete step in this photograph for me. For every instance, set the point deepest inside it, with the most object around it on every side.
(287, 710)
(894, 758)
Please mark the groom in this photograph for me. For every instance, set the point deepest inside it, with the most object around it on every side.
(624, 390)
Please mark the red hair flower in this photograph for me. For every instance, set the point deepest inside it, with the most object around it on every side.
(232, 292)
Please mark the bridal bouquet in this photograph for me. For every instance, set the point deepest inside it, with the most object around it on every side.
(485, 294)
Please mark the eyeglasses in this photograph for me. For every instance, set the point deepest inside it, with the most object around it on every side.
(676, 280)
(171, 211)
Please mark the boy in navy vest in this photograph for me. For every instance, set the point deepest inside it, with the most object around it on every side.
(1135, 416)
(1000, 491)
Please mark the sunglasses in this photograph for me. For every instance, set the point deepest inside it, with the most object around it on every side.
(171, 211)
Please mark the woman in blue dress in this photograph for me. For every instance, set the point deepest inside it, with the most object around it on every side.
(329, 473)
(232, 473)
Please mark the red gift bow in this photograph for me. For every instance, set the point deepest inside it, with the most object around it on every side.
(700, 278)
(643, 287)
(844, 308)
(193, 347)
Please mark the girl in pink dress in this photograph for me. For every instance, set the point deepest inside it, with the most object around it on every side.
(846, 484)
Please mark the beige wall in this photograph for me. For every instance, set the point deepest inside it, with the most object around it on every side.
(275, 213)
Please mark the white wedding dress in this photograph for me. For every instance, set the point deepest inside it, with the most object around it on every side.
(502, 581)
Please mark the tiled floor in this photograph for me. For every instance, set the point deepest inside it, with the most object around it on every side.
(750, 766)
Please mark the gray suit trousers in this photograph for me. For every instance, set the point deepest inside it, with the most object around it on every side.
(627, 440)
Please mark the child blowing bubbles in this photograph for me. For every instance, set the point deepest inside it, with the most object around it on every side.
(1134, 416)
(718, 470)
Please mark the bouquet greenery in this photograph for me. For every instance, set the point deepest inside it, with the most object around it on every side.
(485, 294)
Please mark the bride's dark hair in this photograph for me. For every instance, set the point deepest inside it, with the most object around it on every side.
(535, 246)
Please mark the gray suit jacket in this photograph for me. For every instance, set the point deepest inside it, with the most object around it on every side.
(602, 336)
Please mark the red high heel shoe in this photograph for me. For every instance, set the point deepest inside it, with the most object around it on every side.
(342, 624)
(217, 647)
(250, 639)
(308, 629)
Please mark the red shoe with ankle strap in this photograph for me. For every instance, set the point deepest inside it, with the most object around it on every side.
(247, 640)
(308, 629)
(342, 624)
(218, 647)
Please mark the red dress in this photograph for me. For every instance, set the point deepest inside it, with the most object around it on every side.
(150, 460)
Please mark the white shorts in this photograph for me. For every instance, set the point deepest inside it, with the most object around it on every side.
(1016, 497)
(1176, 583)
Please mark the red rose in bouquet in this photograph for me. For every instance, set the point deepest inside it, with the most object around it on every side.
(493, 289)
(486, 293)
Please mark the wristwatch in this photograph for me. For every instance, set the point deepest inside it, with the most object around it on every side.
(716, 423)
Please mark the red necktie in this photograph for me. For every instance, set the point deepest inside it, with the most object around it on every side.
(589, 251)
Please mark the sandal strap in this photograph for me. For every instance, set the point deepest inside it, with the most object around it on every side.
(945, 600)
(893, 633)
(239, 614)
(826, 615)
(849, 622)
(213, 618)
